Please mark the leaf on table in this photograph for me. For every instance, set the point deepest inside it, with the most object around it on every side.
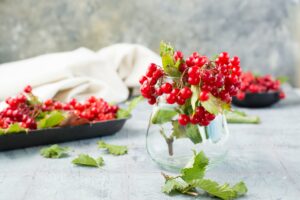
(174, 184)
(198, 168)
(163, 115)
(54, 151)
(126, 112)
(224, 191)
(113, 149)
(52, 119)
(282, 79)
(192, 178)
(86, 160)
(214, 105)
(14, 128)
(241, 117)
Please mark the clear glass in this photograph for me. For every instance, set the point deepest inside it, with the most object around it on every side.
(173, 154)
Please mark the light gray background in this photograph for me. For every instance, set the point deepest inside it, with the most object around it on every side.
(262, 33)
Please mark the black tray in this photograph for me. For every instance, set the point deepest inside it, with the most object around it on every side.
(57, 135)
(257, 100)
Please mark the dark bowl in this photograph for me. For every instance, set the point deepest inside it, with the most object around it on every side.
(60, 134)
(257, 100)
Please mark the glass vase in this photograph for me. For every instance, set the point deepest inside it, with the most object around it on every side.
(173, 151)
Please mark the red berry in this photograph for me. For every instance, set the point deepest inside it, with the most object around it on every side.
(143, 79)
(204, 96)
(166, 88)
(28, 89)
(240, 96)
(178, 55)
(171, 98)
(186, 93)
(183, 119)
(152, 100)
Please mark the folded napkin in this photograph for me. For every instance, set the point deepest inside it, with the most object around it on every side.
(80, 73)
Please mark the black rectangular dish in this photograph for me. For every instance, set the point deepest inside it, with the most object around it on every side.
(59, 134)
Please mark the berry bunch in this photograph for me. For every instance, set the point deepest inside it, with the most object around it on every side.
(25, 109)
(258, 84)
(178, 80)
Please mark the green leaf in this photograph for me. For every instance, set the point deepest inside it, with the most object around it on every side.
(54, 151)
(195, 96)
(193, 133)
(241, 117)
(52, 119)
(14, 128)
(283, 79)
(192, 178)
(215, 105)
(113, 149)
(224, 191)
(178, 130)
(125, 113)
(163, 115)
(86, 160)
(174, 184)
(166, 49)
(2, 131)
(198, 168)
(168, 63)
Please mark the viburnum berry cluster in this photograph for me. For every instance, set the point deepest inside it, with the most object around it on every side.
(258, 84)
(201, 87)
(26, 110)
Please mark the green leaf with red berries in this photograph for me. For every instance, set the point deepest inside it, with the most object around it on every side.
(214, 105)
(15, 128)
(52, 119)
(163, 115)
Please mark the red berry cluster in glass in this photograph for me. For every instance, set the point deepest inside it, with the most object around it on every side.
(258, 84)
(219, 78)
(25, 109)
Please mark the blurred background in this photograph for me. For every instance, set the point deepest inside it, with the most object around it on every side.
(263, 33)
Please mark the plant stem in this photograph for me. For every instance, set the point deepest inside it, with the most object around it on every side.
(169, 141)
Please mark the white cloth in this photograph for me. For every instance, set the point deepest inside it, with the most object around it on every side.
(80, 73)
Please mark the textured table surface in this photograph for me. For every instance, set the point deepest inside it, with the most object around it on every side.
(265, 156)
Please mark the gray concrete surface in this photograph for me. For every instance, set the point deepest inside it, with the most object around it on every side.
(265, 156)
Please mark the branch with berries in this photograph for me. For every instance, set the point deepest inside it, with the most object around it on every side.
(199, 88)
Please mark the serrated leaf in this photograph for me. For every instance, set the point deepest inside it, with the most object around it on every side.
(54, 151)
(214, 105)
(86, 160)
(169, 66)
(193, 133)
(178, 131)
(198, 168)
(282, 79)
(125, 113)
(195, 96)
(166, 49)
(224, 191)
(174, 184)
(52, 119)
(14, 128)
(113, 149)
(163, 115)
(241, 117)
